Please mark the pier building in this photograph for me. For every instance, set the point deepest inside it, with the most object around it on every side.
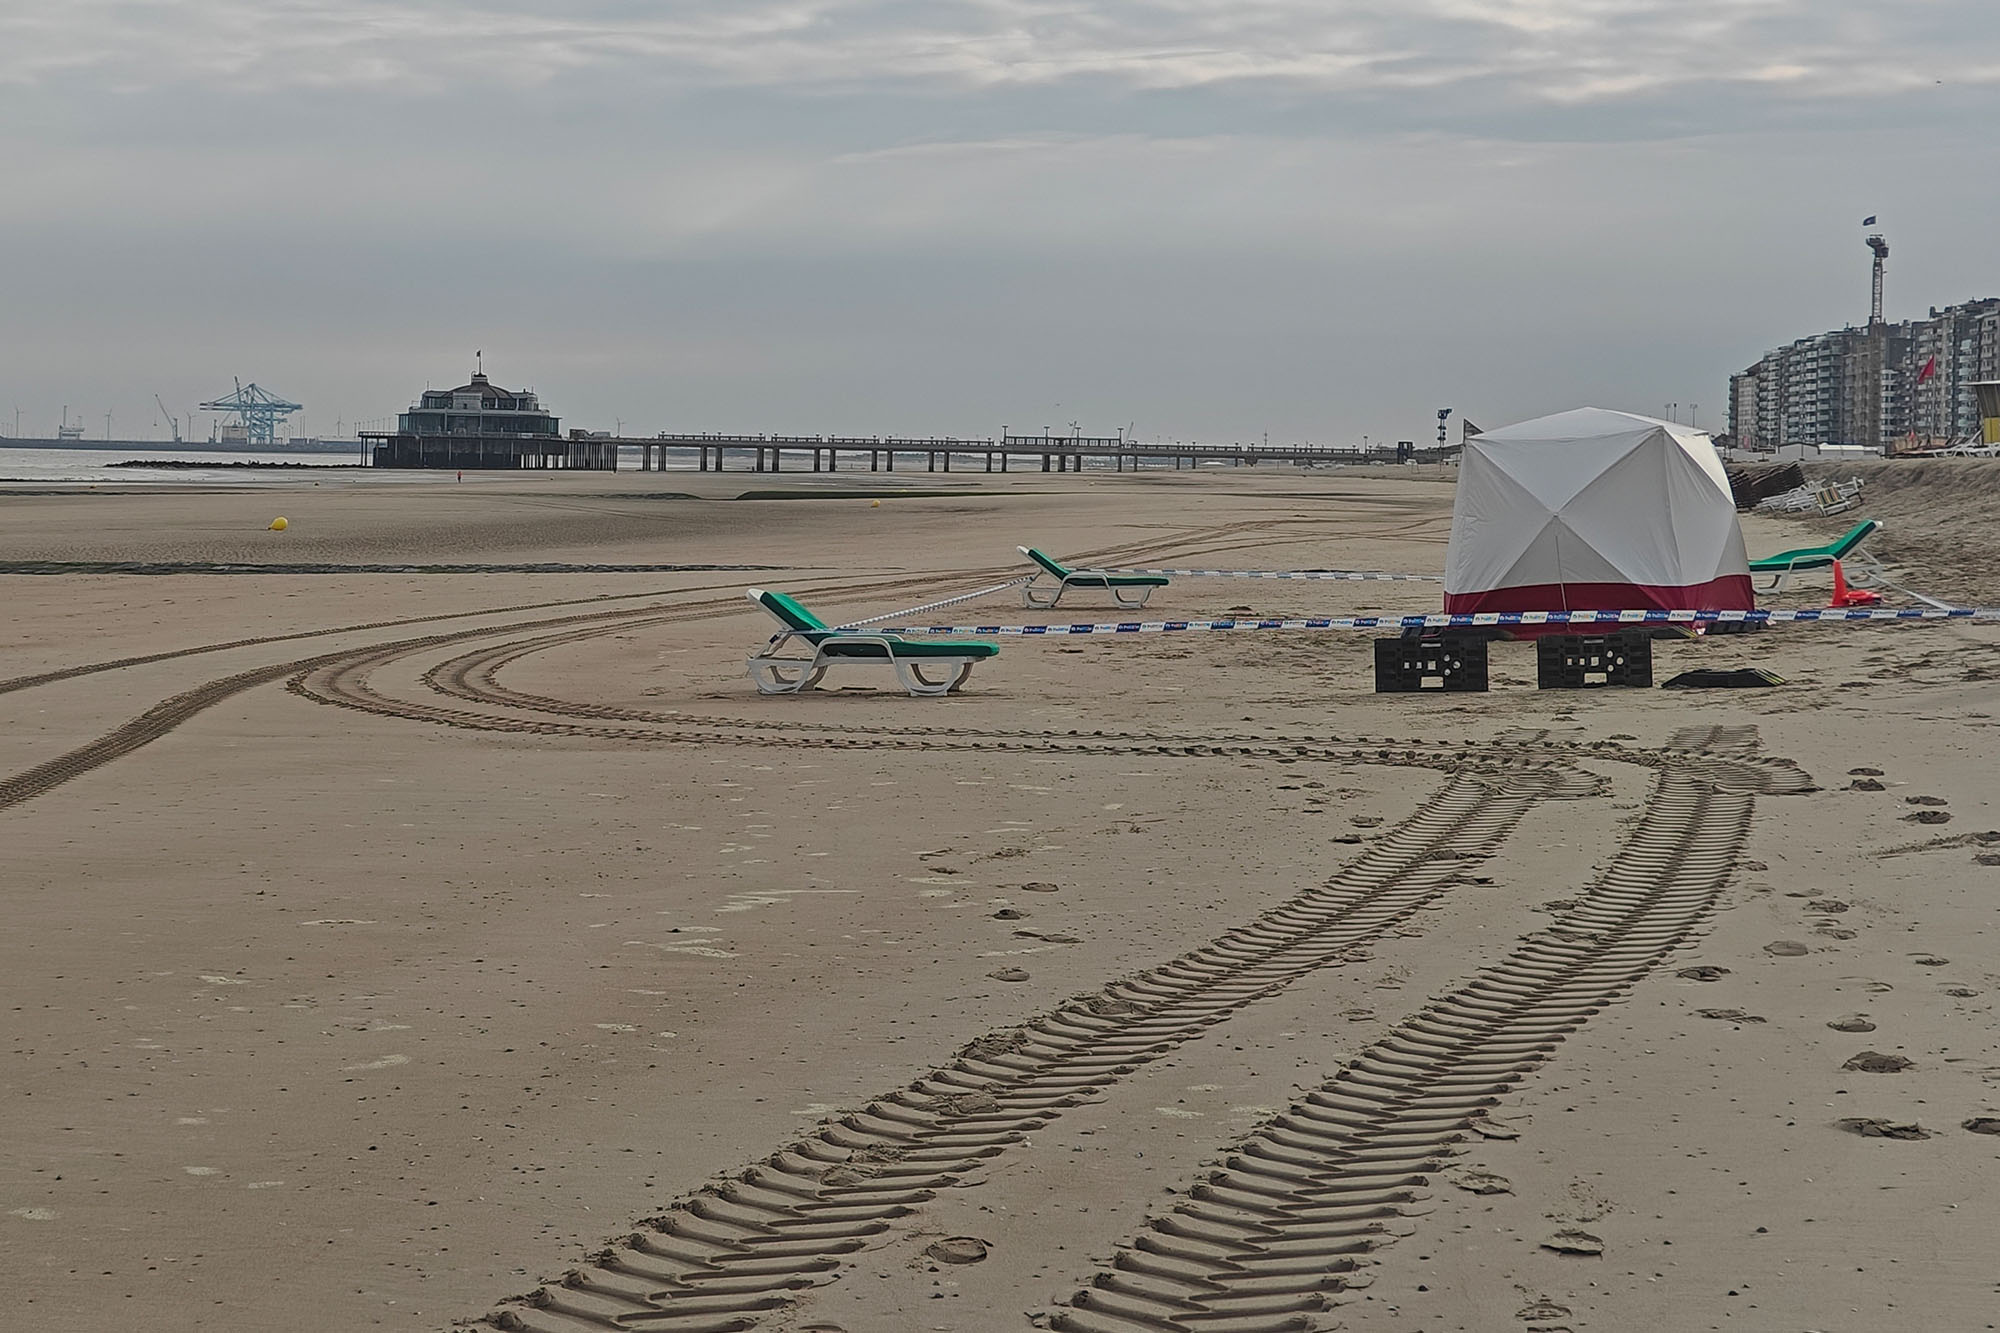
(481, 425)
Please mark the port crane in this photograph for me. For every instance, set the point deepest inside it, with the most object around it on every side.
(172, 420)
(258, 409)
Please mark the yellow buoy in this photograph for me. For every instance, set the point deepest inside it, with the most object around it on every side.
(874, 504)
(278, 525)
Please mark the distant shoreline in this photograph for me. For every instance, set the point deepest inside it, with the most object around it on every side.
(192, 463)
(318, 447)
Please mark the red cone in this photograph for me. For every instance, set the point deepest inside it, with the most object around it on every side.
(1846, 596)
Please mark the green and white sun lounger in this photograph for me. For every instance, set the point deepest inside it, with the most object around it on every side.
(1847, 551)
(1129, 590)
(949, 660)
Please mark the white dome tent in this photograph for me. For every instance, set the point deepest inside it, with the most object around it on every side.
(1594, 510)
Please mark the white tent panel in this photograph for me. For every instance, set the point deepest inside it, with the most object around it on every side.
(1593, 509)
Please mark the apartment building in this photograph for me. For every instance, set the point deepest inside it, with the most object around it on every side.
(1879, 387)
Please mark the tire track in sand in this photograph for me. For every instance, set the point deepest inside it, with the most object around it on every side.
(165, 716)
(1270, 1240)
(736, 1251)
(170, 713)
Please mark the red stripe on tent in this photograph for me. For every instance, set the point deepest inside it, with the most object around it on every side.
(1731, 592)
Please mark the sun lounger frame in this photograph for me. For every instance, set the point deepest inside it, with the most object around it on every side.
(1861, 566)
(1128, 590)
(777, 672)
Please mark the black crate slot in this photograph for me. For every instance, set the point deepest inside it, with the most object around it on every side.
(1594, 661)
(1450, 663)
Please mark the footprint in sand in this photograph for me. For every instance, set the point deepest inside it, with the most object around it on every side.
(1786, 949)
(1488, 1128)
(1875, 1062)
(1875, 1128)
(386, 1062)
(957, 1250)
(1482, 1182)
(1852, 1023)
(1729, 1015)
(1542, 1309)
(1010, 974)
(1703, 973)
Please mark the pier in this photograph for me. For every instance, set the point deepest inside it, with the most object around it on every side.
(1055, 453)
(403, 449)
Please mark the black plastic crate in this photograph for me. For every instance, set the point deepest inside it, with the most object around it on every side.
(1594, 661)
(1454, 663)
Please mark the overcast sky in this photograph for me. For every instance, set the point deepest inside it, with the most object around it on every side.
(1314, 218)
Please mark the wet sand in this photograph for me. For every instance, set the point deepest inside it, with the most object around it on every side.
(385, 976)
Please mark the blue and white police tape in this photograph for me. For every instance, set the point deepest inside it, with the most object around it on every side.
(1346, 575)
(1478, 620)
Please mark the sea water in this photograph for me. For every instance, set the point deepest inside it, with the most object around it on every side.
(80, 466)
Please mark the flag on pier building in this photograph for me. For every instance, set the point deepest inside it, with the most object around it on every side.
(1930, 369)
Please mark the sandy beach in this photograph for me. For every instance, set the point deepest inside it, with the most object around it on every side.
(455, 940)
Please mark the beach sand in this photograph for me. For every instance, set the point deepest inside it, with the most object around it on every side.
(447, 929)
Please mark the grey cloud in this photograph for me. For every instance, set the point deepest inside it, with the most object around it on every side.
(1560, 52)
(1321, 219)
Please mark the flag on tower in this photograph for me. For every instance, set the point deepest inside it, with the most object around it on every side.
(1868, 221)
(1930, 369)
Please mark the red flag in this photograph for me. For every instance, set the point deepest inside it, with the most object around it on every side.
(1930, 369)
